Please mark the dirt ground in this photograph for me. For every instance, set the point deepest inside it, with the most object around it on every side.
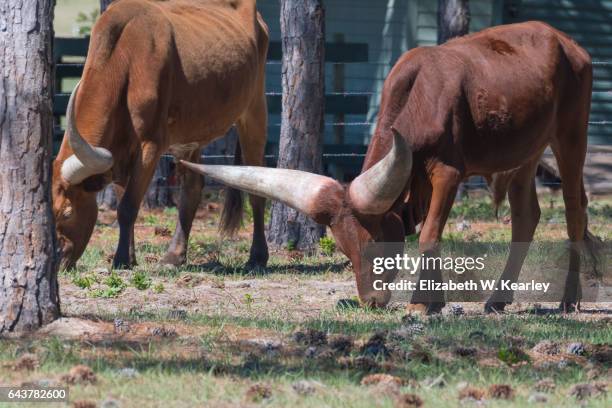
(301, 286)
(213, 334)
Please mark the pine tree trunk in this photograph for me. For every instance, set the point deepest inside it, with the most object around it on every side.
(107, 198)
(29, 295)
(104, 4)
(160, 192)
(453, 19)
(301, 138)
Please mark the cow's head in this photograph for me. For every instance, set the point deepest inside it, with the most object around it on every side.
(77, 177)
(357, 213)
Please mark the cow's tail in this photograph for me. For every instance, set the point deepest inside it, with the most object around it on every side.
(231, 216)
(498, 185)
(593, 248)
(593, 245)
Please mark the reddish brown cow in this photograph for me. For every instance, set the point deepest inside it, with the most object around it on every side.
(161, 75)
(487, 104)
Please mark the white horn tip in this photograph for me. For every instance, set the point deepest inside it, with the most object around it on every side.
(73, 171)
(192, 166)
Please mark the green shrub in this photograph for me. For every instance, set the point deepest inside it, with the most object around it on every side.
(475, 209)
(328, 245)
(86, 21)
(83, 281)
(151, 219)
(159, 288)
(141, 280)
(291, 245)
(511, 355)
(110, 292)
(248, 299)
(115, 286)
(115, 281)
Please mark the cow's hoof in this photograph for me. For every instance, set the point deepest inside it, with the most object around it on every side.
(123, 267)
(569, 307)
(173, 259)
(255, 266)
(495, 307)
(67, 265)
(257, 261)
(120, 264)
(425, 308)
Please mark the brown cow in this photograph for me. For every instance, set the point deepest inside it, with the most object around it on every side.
(161, 75)
(486, 104)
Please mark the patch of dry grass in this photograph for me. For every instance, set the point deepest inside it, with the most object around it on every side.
(218, 335)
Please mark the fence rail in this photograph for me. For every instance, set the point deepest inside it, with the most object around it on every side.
(339, 102)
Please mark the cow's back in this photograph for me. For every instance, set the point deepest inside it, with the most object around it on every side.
(212, 31)
(219, 61)
(520, 79)
(203, 58)
(506, 66)
(474, 99)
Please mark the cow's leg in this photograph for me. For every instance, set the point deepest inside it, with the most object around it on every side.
(525, 213)
(444, 181)
(252, 129)
(127, 211)
(570, 159)
(191, 185)
(119, 191)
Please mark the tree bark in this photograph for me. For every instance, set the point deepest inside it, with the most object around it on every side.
(301, 137)
(104, 5)
(29, 296)
(160, 192)
(453, 19)
(107, 198)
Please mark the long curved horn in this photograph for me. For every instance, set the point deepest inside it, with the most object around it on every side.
(375, 190)
(87, 160)
(297, 189)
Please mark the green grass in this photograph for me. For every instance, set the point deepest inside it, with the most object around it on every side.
(84, 281)
(158, 288)
(327, 245)
(208, 363)
(216, 370)
(141, 280)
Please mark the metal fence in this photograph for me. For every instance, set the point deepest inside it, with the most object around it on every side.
(359, 100)
(473, 183)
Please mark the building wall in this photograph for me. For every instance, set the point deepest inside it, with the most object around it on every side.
(389, 27)
(589, 22)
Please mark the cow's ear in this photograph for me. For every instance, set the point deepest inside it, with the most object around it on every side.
(95, 183)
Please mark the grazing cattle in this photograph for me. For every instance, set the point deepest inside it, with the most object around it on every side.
(487, 104)
(161, 75)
